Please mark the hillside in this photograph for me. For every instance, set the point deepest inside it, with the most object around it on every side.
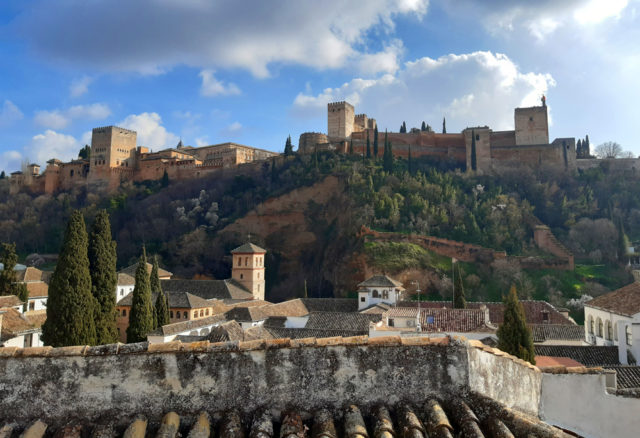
(308, 211)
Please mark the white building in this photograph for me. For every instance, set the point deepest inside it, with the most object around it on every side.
(614, 319)
(378, 289)
(20, 330)
(127, 279)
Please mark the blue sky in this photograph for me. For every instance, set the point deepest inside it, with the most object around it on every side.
(254, 72)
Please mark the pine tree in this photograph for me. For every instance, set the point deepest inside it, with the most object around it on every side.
(141, 313)
(104, 279)
(375, 142)
(444, 125)
(9, 258)
(423, 127)
(288, 147)
(161, 308)
(403, 128)
(85, 152)
(460, 300)
(71, 308)
(474, 164)
(514, 336)
(368, 146)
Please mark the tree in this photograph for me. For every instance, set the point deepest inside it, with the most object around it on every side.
(403, 128)
(608, 149)
(20, 290)
(2, 175)
(623, 242)
(368, 146)
(104, 279)
(460, 300)
(474, 164)
(9, 258)
(85, 152)
(586, 147)
(351, 147)
(423, 127)
(288, 147)
(409, 161)
(579, 151)
(71, 307)
(164, 182)
(375, 142)
(387, 157)
(444, 125)
(514, 336)
(141, 313)
(161, 309)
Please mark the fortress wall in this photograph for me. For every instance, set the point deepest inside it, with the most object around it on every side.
(631, 165)
(450, 146)
(89, 383)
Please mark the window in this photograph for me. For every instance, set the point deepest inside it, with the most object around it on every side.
(201, 313)
(241, 276)
(32, 305)
(385, 294)
(375, 294)
(185, 315)
(124, 312)
(258, 276)
(178, 315)
(239, 261)
(600, 331)
(545, 317)
(590, 325)
(207, 312)
(629, 336)
(246, 261)
(362, 299)
(195, 314)
(28, 340)
(608, 333)
(390, 323)
(171, 314)
(121, 292)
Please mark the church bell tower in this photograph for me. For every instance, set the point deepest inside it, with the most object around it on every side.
(248, 268)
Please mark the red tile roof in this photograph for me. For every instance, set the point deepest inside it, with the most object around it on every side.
(444, 320)
(623, 301)
(552, 361)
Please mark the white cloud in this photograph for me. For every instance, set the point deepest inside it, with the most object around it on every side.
(327, 34)
(52, 144)
(233, 130)
(480, 88)
(213, 87)
(150, 131)
(9, 113)
(10, 161)
(202, 141)
(80, 86)
(596, 11)
(59, 119)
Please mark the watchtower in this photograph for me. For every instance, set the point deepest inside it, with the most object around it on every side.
(340, 119)
(532, 126)
(248, 268)
(111, 146)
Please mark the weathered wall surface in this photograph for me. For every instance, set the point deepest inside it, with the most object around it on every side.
(579, 402)
(630, 165)
(545, 240)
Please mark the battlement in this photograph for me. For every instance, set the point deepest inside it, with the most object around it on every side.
(360, 116)
(339, 104)
(103, 129)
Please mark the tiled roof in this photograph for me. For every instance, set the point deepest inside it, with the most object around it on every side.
(125, 279)
(588, 355)
(556, 332)
(303, 333)
(251, 303)
(177, 299)
(356, 322)
(377, 308)
(380, 281)
(131, 270)
(257, 332)
(293, 307)
(36, 318)
(623, 301)
(32, 274)
(304, 306)
(209, 289)
(627, 376)
(179, 327)
(534, 310)
(246, 314)
(9, 301)
(444, 320)
(14, 324)
(248, 248)
(228, 331)
(550, 361)
(38, 289)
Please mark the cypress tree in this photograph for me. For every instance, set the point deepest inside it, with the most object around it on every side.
(368, 146)
(351, 147)
(20, 290)
(473, 151)
(579, 153)
(141, 313)
(288, 147)
(102, 264)
(444, 125)
(161, 310)
(423, 127)
(387, 158)
(9, 258)
(71, 307)
(586, 147)
(164, 182)
(514, 336)
(375, 142)
(460, 300)
(2, 175)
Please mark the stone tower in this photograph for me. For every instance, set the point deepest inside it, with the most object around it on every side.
(111, 147)
(248, 268)
(532, 126)
(340, 119)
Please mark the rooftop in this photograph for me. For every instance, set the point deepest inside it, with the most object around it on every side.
(358, 323)
(587, 355)
(623, 301)
(557, 332)
(444, 320)
(209, 289)
(248, 248)
(9, 301)
(131, 271)
(380, 281)
(177, 300)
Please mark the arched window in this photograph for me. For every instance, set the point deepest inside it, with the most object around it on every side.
(124, 312)
(195, 314)
(608, 331)
(178, 315)
(201, 313)
(239, 261)
(375, 294)
(171, 314)
(185, 315)
(246, 261)
(629, 335)
(590, 325)
(600, 326)
(207, 312)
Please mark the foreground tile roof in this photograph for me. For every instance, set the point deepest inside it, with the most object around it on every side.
(32, 274)
(193, 324)
(623, 301)
(246, 314)
(9, 301)
(305, 333)
(357, 322)
(587, 355)
(444, 320)
(209, 289)
(125, 279)
(177, 299)
(228, 331)
(38, 289)
(14, 323)
(557, 332)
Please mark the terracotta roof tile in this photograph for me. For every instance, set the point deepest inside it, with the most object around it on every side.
(131, 271)
(444, 320)
(9, 301)
(356, 322)
(209, 289)
(32, 274)
(588, 355)
(228, 331)
(557, 332)
(179, 327)
(623, 301)
(380, 281)
(248, 248)
(627, 376)
(38, 289)
(550, 361)
(14, 324)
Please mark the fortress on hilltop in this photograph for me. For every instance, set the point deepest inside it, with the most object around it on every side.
(115, 158)
(479, 148)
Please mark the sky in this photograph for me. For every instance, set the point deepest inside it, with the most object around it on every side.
(254, 72)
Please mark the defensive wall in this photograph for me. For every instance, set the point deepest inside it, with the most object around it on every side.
(620, 165)
(82, 384)
(545, 240)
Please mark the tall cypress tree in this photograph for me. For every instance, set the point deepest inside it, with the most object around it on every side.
(514, 336)
(474, 164)
(424, 126)
(460, 300)
(161, 310)
(444, 125)
(288, 147)
(579, 152)
(104, 279)
(375, 142)
(387, 158)
(71, 308)
(368, 146)
(586, 147)
(141, 313)
(9, 258)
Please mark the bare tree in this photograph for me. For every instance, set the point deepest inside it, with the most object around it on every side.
(627, 154)
(609, 149)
